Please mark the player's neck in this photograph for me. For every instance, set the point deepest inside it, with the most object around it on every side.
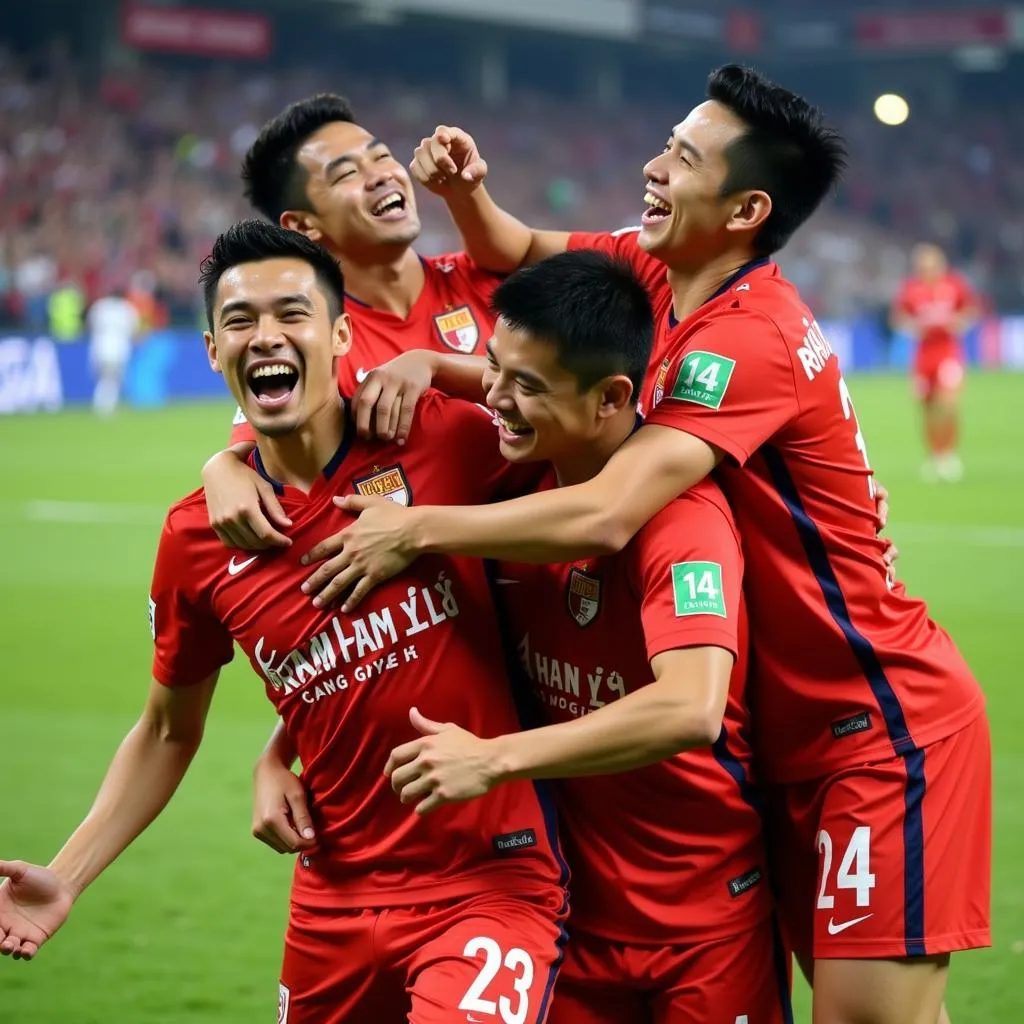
(692, 287)
(585, 464)
(298, 458)
(393, 284)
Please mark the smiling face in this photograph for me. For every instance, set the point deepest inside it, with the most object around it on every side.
(275, 341)
(688, 220)
(542, 413)
(359, 195)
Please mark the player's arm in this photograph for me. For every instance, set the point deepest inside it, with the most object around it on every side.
(146, 770)
(244, 510)
(281, 817)
(560, 525)
(902, 317)
(449, 165)
(682, 709)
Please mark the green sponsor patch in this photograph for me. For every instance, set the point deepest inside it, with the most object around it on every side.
(697, 589)
(703, 378)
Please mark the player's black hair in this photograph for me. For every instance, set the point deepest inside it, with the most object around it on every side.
(590, 307)
(788, 150)
(250, 241)
(273, 179)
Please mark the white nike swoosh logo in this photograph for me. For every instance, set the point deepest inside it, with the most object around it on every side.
(361, 375)
(504, 583)
(835, 929)
(234, 568)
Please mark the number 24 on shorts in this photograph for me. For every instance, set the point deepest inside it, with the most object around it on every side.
(516, 960)
(854, 868)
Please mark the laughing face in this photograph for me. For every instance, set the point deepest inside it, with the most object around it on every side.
(687, 217)
(541, 411)
(275, 341)
(360, 196)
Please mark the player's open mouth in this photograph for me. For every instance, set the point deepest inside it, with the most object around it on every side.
(511, 431)
(389, 207)
(657, 209)
(272, 382)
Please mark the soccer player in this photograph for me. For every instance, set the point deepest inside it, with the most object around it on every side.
(313, 169)
(935, 306)
(392, 918)
(634, 657)
(114, 324)
(869, 722)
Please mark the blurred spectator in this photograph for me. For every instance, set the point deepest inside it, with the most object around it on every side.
(114, 326)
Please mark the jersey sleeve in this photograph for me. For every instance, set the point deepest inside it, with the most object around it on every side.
(624, 246)
(240, 429)
(966, 297)
(687, 569)
(189, 643)
(733, 385)
(904, 301)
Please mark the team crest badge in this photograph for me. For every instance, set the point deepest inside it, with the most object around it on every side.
(659, 382)
(387, 483)
(583, 597)
(284, 999)
(458, 329)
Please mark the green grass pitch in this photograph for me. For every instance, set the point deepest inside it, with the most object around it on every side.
(187, 926)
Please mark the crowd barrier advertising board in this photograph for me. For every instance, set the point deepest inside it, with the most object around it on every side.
(38, 374)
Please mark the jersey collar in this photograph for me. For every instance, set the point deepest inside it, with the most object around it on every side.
(747, 268)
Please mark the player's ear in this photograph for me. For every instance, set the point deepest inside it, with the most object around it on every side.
(211, 351)
(303, 222)
(750, 211)
(341, 335)
(614, 395)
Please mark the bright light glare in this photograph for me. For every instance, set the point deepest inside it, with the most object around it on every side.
(891, 109)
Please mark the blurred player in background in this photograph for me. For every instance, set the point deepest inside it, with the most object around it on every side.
(869, 722)
(114, 325)
(393, 919)
(935, 307)
(314, 170)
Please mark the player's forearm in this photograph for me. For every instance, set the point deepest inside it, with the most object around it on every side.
(146, 770)
(238, 452)
(493, 238)
(279, 748)
(642, 728)
(460, 376)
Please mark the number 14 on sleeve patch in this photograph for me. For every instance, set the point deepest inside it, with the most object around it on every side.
(697, 589)
(703, 378)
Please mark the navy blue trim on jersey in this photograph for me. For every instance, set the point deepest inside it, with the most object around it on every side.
(817, 556)
(349, 297)
(560, 943)
(732, 764)
(913, 855)
(725, 286)
(257, 464)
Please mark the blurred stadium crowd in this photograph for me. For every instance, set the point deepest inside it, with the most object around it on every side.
(123, 178)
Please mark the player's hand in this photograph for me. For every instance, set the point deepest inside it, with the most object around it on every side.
(385, 402)
(244, 510)
(444, 765)
(34, 903)
(377, 546)
(280, 813)
(448, 162)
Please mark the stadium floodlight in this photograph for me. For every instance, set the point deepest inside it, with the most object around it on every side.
(891, 109)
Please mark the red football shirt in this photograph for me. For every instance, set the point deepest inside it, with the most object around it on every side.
(847, 666)
(936, 304)
(343, 684)
(670, 853)
(452, 314)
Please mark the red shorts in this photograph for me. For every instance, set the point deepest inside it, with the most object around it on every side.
(490, 958)
(888, 859)
(741, 978)
(938, 367)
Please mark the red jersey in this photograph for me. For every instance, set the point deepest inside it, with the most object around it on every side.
(936, 305)
(451, 314)
(846, 666)
(670, 853)
(343, 684)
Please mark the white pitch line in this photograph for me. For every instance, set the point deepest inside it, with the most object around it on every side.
(123, 513)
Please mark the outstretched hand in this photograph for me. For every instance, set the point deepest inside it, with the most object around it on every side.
(34, 903)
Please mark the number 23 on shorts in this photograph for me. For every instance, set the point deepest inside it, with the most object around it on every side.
(492, 996)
